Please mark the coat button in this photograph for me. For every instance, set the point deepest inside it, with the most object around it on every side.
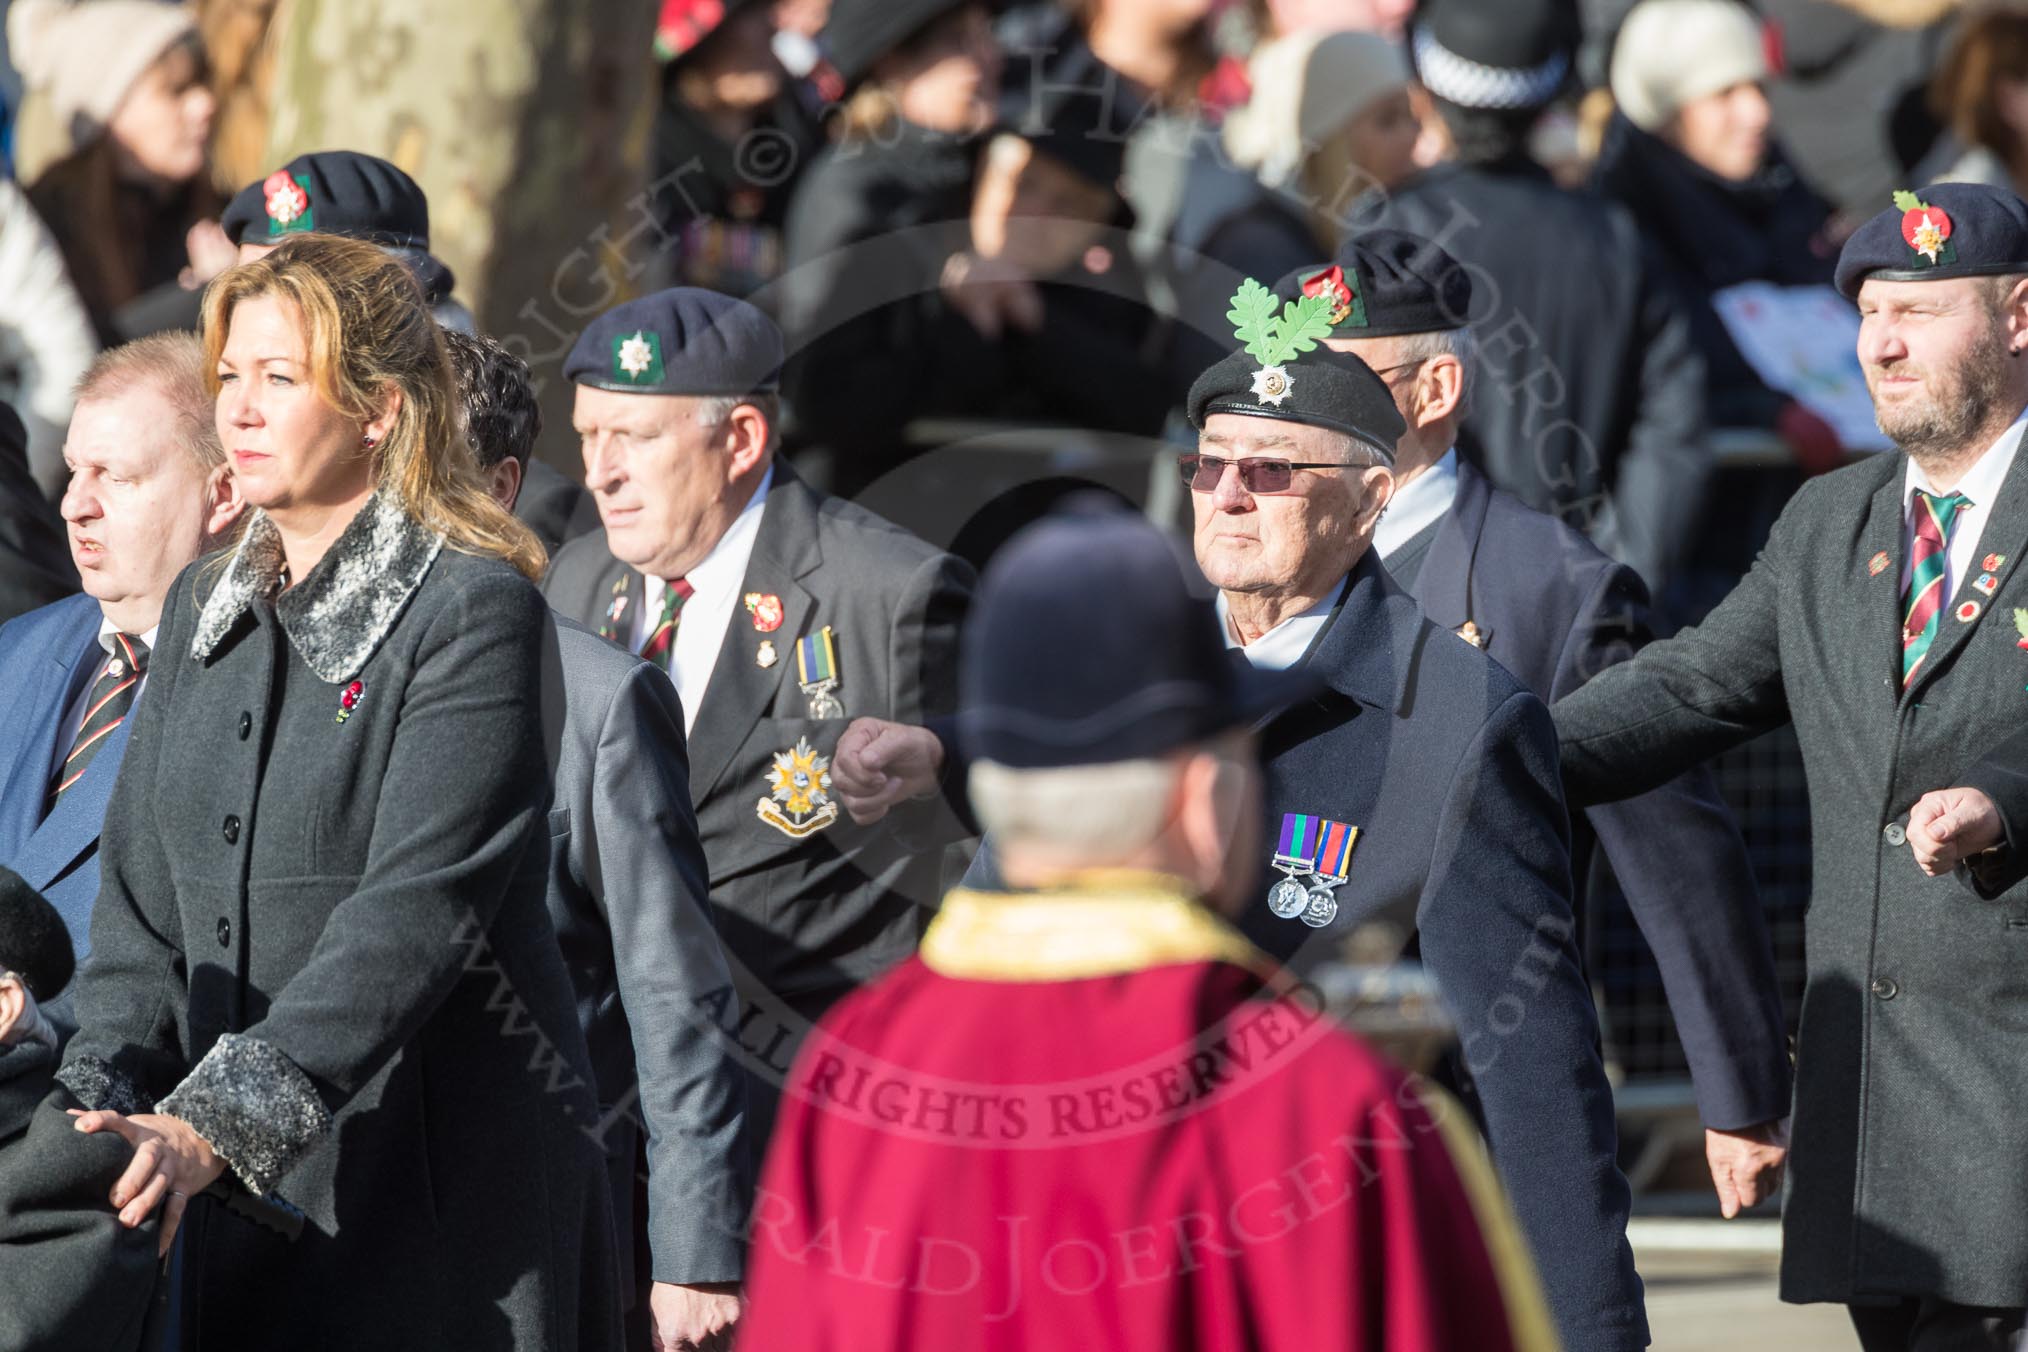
(224, 932)
(232, 830)
(1894, 833)
(1885, 988)
(245, 726)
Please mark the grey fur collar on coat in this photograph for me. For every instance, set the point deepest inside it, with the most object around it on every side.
(338, 615)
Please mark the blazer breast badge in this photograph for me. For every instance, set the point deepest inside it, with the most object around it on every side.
(800, 804)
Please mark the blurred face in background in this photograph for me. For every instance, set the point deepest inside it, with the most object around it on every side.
(1386, 17)
(736, 67)
(948, 78)
(1725, 133)
(1034, 211)
(1375, 149)
(163, 126)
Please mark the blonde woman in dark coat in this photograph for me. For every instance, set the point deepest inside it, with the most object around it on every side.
(322, 967)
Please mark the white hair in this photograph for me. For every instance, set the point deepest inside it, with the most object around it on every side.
(1080, 815)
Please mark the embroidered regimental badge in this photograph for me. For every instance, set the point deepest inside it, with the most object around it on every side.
(801, 802)
(637, 358)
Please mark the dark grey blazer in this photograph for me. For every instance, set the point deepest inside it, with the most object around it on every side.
(805, 920)
(627, 895)
(1906, 1174)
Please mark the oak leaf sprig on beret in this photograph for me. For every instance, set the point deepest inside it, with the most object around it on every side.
(1274, 338)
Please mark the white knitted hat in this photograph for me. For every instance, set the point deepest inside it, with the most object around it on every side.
(1306, 86)
(1670, 52)
(82, 56)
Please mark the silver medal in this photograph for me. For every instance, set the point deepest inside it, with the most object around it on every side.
(824, 704)
(1288, 898)
(1322, 908)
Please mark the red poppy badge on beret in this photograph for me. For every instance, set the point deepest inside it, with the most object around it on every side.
(287, 200)
(1926, 230)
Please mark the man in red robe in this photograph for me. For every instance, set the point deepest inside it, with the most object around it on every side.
(1089, 1113)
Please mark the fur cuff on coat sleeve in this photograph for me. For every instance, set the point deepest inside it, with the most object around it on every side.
(94, 1082)
(255, 1107)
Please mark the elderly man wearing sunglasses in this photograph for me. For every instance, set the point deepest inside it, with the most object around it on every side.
(1415, 801)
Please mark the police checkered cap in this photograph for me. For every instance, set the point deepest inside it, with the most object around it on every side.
(1473, 84)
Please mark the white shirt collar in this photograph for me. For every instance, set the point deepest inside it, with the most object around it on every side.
(1982, 481)
(107, 629)
(1418, 504)
(1283, 646)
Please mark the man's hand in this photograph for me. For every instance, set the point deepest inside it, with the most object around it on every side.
(1746, 1166)
(171, 1165)
(878, 764)
(1948, 826)
(687, 1317)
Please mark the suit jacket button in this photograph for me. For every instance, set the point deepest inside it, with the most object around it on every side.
(245, 726)
(1885, 988)
(1894, 833)
(232, 830)
(224, 932)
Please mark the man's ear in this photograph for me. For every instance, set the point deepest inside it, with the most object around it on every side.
(222, 502)
(747, 435)
(2015, 308)
(1376, 490)
(1440, 389)
(13, 1003)
(503, 482)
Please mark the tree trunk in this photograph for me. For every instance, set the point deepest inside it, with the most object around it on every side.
(525, 121)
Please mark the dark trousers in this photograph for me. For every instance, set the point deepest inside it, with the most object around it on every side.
(1928, 1325)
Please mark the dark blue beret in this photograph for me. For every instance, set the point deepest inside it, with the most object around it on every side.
(685, 340)
(1321, 388)
(1089, 645)
(1388, 282)
(333, 192)
(1949, 230)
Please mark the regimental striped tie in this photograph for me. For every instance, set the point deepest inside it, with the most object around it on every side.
(662, 638)
(1922, 609)
(111, 700)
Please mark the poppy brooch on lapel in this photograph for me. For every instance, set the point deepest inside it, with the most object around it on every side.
(349, 701)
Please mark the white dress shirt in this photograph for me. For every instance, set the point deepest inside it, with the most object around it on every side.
(1283, 646)
(73, 717)
(714, 599)
(1981, 484)
(1418, 505)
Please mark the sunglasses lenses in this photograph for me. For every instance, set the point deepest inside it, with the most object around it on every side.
(1259, 475)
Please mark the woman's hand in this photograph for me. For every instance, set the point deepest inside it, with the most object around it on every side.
(171, 1164)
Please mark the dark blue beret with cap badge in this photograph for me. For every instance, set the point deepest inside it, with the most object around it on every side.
(685, 340)
(1949, 230)
(1386, 283)
(1284, 372)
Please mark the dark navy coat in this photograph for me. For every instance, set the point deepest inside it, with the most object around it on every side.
(1556, 612)
(1448, 767)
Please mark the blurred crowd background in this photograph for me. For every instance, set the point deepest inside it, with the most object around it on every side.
(1001, 237)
